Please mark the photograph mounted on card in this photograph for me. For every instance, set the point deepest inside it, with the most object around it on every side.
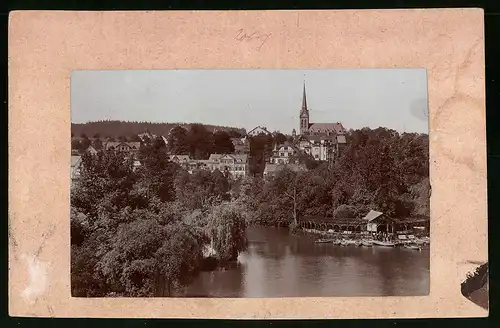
(265, 164)
(268, 205)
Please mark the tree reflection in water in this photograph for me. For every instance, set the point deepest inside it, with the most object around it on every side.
(278, 264)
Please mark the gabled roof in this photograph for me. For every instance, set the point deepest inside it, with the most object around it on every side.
(239, 158)
(325, 127)
(215, 157)
(131, 144)
(372, 215)
(183, 158)
(146, 134)
(259, 128)
(75, 160)
(286, 144)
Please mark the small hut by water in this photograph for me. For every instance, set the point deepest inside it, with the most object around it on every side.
(379, 222)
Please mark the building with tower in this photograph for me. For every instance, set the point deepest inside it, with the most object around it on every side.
(322, 141)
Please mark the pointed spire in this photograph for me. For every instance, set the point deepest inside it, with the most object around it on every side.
(304, 99)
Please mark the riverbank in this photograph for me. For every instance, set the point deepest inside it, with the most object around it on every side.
(408, 239)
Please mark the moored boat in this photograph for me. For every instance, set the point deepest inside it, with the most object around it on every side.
(366, 243)
(383, 243)
(351, 243)
(414, 247)
(323, 241)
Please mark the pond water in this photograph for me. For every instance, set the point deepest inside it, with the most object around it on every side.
(278, 264)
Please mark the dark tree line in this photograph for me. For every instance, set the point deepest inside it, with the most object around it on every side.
(380, 170)
(127, 129)
(197, 141)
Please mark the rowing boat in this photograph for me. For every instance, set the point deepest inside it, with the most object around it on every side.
(415, 247)
(366, 243)
(323, 241)
(383, 243)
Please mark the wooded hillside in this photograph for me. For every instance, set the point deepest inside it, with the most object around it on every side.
(128, 129)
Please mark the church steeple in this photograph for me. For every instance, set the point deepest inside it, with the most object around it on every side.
(304, 113)
(304, 98)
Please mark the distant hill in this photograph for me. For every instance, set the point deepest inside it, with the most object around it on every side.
(128, 129)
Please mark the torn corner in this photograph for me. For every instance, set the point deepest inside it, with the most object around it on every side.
(476, 286)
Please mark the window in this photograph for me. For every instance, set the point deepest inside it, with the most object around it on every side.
(282, 154)
(316, 156)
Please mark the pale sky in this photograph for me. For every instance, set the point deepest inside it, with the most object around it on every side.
(392, 98)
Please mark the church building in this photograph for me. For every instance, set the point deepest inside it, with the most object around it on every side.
(320, 140)
(308, 128)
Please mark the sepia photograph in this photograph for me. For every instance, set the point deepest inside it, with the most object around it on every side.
(250, 183)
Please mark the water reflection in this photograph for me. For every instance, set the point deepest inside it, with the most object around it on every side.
(278, 264)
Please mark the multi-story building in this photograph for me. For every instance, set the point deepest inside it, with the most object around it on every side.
(323, 141)
(258, 131)
(234, 164)
(284, 153)
(321, 148)
(128, 147)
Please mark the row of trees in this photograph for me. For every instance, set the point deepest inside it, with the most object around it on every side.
(197, 141)
(127, 129)
(380, 169)
(143, 232)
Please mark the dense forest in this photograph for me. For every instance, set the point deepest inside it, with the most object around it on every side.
(144, 232)
(115, 129)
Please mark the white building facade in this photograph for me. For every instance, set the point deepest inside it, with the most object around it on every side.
(283, 154)
(257, 131)
(234, 164)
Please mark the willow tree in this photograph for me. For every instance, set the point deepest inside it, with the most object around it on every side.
(226, 229)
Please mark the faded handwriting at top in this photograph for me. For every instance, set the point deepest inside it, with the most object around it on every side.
(241, 35)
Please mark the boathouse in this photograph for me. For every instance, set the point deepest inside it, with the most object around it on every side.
(379, 222)
(325, 223)
(419, 224)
